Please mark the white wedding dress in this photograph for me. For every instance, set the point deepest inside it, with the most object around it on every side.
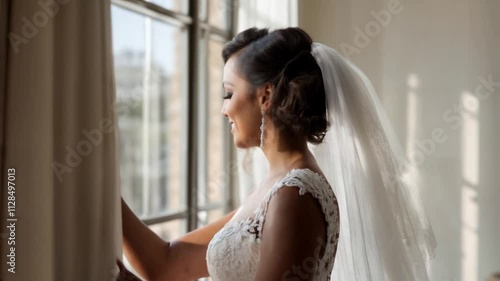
(234, 252)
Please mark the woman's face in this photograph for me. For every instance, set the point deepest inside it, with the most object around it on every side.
(240, 107)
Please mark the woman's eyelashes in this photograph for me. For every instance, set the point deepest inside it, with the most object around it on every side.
(227, 96)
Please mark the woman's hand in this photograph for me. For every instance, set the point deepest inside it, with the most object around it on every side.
(125, 275)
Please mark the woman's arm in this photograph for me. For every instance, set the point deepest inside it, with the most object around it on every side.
(156, 259)
(293, 237)
(143, 248)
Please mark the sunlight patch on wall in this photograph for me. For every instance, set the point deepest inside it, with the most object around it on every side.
(470, 174)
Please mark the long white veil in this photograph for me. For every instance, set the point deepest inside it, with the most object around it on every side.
(384, 232)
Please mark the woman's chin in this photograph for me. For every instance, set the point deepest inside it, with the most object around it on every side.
(241, 144)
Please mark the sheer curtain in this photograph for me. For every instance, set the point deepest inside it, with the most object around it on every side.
(58, 141)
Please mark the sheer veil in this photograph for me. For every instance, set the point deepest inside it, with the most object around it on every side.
(384, 231)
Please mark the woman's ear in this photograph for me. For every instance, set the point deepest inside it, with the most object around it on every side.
(265, 96)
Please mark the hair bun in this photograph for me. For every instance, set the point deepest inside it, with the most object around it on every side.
(299, 99)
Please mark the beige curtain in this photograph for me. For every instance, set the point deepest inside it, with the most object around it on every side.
(59, 135)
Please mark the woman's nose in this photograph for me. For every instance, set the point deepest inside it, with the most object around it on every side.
(223, 109)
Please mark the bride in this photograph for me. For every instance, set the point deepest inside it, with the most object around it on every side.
(335, 203)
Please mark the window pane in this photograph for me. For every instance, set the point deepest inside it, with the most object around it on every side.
(218, 11)
(216, 174)
(150, 59)
(203, 10)
(181, 6)
(170, 230)
(206, 217)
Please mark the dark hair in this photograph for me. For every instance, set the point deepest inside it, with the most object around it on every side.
(283, 58)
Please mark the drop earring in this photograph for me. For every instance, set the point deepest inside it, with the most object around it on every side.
(262, 129)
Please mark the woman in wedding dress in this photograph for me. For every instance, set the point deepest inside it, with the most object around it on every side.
(334, 193)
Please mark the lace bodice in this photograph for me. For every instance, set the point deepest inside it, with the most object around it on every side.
(234, 251)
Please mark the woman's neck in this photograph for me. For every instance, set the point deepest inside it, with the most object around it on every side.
(284, 153)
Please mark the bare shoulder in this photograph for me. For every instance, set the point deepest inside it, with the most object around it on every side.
(288, 198)
(292, 212)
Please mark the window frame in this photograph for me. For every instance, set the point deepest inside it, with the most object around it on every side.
(197, 84)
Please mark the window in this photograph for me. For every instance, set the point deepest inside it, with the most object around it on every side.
(149, 90)
(174, 143)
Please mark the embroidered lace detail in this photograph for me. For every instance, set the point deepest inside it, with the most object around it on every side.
(234, 251)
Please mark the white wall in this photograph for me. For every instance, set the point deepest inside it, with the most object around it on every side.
(426, 63)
